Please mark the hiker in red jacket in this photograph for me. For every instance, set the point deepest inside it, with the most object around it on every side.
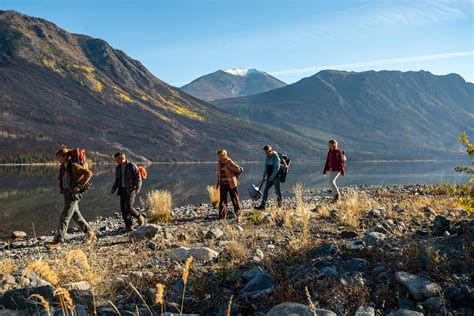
(335, 164)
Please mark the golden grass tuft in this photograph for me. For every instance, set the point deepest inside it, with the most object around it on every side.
(310, 301)
(7, 266)
(158, 204)
(160, 290)
(229, 306)
(42, 268)
(65, 300)
(236, 250)
(187, 266)
(80, 257)
(353, 206)
(214, 195)
(42, 301)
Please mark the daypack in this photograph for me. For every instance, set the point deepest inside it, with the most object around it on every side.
(143, 172)
(344, 158)
(285, 162)
(78, 155)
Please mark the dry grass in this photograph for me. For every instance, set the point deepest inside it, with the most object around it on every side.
(67, 305)
(42, 301)
(353, 206)
(214, 195)
(236, 250)
(158, 204)
(7, 266)
(42, 268)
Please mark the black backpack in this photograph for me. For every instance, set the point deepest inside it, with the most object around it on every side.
(285, 162)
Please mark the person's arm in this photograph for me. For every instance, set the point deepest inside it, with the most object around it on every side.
(137, 185)
(341, 163)
(218, 175)
(117, 179)
(233, 166)
(326, 165)
(276, 166)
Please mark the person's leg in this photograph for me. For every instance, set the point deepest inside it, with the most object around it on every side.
(223, 189)
(234, 196)
(268, 185)
(276, 182)
(124, 208)
(79, 219)
(333, 175)
(68, 211)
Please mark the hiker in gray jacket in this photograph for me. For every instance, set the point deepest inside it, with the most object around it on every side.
(128, 182)
(272, 166)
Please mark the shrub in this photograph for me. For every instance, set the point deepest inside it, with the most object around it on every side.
(214, 195)
(158, 204)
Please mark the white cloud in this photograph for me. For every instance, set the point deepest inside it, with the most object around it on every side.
(393, 61)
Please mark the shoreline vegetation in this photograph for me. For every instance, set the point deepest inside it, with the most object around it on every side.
(380, 249)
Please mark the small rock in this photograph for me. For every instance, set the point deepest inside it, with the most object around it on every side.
(379, 212)
(356, 245)
(441, 225)
(405, 312)
(18, 234)
(373, 238)
(420, 288)
(433, 304)
(152, 245)
(348, 234)
(328, 272)
(260, 283)
(239, 228)
(181, 236)
(259, 254)
(327, 249)
(297, 309)
(198, 253)
(78, 286)
(357, 265)
(365, 311)
(378, 229)
(214, 233)
(148, 231)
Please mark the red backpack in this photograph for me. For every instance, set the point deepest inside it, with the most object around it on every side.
(143, 172)
(78, 155)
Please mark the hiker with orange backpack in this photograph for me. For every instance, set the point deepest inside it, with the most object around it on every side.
(128, 182)
(227, 180)
(74, 180)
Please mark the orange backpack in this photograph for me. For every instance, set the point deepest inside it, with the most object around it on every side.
(143, 172)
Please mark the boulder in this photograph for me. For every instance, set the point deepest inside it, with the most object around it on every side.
(419, 287)
(365, 311)
(18, 298)
(328, 272)
(373, 238)
(356, 245)
(260, 282)
(297, 309)
(214, 233)
(441, 225)
(348, 234)
(433, 304)
(148, 231)
(327, 249)
(198, 253)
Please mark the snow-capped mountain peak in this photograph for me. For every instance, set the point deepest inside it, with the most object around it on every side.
(243, 72)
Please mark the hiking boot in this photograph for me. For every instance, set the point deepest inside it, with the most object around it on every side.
(260, 208)
(55, 244)
(279, 203)
(336, 198)
(126, 230)
(90, 238)
(141, 220)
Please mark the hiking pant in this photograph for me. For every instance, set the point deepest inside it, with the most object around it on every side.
(333, 175)
(126, 206)
(70, 211)
(268, 185)
(234, 197)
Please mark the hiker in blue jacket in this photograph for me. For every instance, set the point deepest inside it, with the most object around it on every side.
(272, 166)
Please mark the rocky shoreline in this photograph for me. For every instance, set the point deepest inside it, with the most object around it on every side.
(382, 250)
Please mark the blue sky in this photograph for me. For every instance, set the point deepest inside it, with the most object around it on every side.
(180, 40)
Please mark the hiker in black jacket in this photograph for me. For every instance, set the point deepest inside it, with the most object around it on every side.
(128, 182)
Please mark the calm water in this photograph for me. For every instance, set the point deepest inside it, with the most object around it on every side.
(30, 194)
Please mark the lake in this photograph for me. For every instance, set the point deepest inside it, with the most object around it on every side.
(30, 194)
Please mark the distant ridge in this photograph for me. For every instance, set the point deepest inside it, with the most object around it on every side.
(230, 83)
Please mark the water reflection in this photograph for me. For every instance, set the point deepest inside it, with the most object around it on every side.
(30, 194)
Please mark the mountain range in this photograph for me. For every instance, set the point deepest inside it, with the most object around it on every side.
(383, 114)
(231, 83)
(59, 88)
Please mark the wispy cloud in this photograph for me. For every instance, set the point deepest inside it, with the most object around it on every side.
(374, 63)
